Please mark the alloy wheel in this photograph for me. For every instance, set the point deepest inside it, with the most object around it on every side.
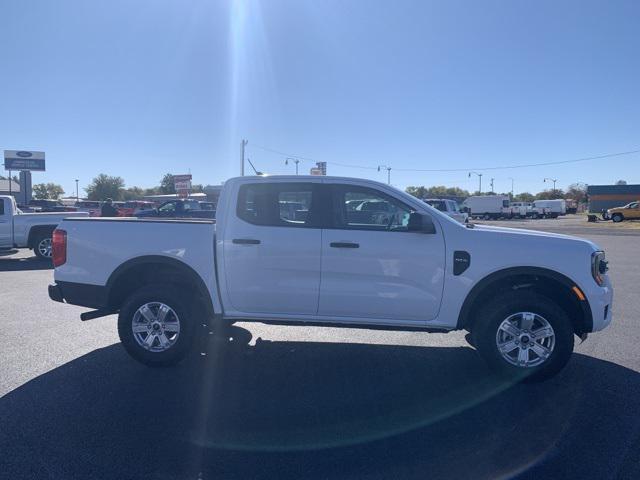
(525, 339)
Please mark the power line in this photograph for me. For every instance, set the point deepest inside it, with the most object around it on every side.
(503, 167)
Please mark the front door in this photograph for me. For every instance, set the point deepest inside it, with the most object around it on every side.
(272, 250)
(372, 267)
(633, 211)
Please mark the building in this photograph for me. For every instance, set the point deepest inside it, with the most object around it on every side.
(602, 197)
(4, 188)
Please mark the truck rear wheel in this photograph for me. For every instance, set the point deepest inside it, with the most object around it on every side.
(156, 326)
(42, 246)
(524, 336)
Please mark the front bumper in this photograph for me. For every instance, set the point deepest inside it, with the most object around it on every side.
(601, 301)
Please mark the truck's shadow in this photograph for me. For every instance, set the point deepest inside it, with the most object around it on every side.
(319, 410)
(16, 264)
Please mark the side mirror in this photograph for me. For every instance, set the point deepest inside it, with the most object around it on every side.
(420, 223)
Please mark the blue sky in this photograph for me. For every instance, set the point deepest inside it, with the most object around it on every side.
(140, 88)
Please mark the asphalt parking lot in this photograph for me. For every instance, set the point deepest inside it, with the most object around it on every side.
(295, 402)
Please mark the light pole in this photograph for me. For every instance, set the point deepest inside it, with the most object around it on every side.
(77, 196)
(554, 180)
(286, 162)
(511, 187)
(492, 191)
(388, 169)
(480, 177)
(242, 145)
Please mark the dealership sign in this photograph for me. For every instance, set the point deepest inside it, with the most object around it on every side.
(182, 184)
(24, 160)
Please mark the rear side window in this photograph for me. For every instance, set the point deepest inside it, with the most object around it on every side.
(279, 205)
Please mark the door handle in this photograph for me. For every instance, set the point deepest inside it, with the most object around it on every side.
(245, 241)
(344, 245)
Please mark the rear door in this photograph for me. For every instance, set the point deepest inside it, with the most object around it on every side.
(272, 249)
(372, 267)
(6, 224)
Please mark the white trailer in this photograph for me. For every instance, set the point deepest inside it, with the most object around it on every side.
(550, 208)
(487, 206)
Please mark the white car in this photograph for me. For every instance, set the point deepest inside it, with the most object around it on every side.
(405, 266)
(448, 207)
(28, 230)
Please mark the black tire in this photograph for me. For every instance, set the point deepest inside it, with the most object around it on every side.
(486, 216)
(534, 216)
(176, 299)
(617, 217)
(40, 238)
(489, 318)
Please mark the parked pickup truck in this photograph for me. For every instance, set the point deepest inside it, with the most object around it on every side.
(324, 263)
(28, 230)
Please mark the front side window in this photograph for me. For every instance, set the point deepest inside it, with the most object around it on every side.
(278, 205)
(376, 210)
(168, 207)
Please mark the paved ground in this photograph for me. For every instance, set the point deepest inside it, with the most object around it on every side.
(299, 402)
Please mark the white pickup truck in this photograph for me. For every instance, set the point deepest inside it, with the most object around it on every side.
(28, 230)
(328, 263)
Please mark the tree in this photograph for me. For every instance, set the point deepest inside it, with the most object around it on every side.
(44, 191)
(621, 182)
(550, 194)
(524, 197)
(132, 193)
(436, 191)
(104, 186)
(578, 192)
(166, 184)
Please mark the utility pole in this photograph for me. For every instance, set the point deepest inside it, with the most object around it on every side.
(511, 187)
(554, 183)
(242, 145)
(492, 191)
(77, 196)
(297, 161)
(388, 169)
(480, 177)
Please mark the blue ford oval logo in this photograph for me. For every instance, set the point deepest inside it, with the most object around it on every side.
(24, 154)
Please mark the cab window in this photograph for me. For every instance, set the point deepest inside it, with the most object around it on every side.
(376, 210)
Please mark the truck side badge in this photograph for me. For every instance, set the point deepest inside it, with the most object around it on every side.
(461, 261)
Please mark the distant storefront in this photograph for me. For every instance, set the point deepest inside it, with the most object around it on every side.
(610, 196)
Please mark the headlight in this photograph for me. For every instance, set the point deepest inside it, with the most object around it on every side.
(599, 267)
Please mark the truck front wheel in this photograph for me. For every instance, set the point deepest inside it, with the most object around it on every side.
(156, 326)
(524, 336)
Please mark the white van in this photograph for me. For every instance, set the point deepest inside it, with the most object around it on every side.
(487, 206)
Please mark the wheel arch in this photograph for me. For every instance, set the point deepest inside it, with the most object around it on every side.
(554, 284)
(35, 231)
(144, 270)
